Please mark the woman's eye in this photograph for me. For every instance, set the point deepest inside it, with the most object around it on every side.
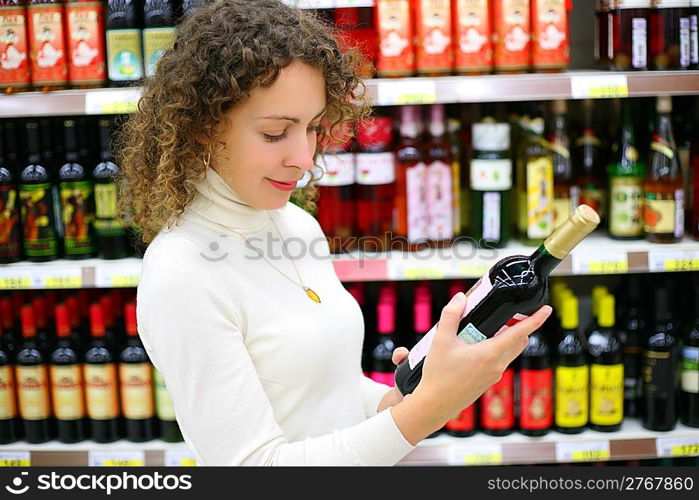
(274, 138)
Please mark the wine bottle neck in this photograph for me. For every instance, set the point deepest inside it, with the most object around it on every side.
(543, 262)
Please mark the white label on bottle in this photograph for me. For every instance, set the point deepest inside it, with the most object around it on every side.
(639, 47)
(416, 192)
(338, 169)
(679, 213)
(491, 216)
(690, 369)
(439, 201)
(684, 42)
(491, 175)
(471, 335)
(693, 40)
(376, 168)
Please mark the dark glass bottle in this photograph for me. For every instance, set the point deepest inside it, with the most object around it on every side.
(535, 387)
(464, 425)
(630, 34)
(38, 206)
(158, 31)
(602, 35)
(633, 334)
(588, 162)
(44, 330)
(606, 371)
(136, 383)
(689, 395)
(10, 333)
(33, 384)
(382, 367)
(10, 225)
(10, 424)
(165, 410)
(67, 387)
(572, 377)
(670, 35)
(123, 35)
(101, 383)
(497, 405)
(77, 201)
(661, 368)
(514, 286)
(566, 194)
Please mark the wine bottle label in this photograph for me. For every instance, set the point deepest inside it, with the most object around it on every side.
(659, 215)
(471, 335)
(690, 369)
(85, 30)
(498, 404)
(416, 192)
(539, 198)
(536, 399)
(78, 214)
(561, 210)
(374, 169)
(338, 169)
(626, 206)
(474, 51)
(511, 35)
(106, 224)
(492, 206)
(33, 392)
(550, 44)
(47, 44)
(67, 392)
(606, 394)
(685, 42)
(14, 56)
(572, 396)
(136, 383)
(639, 43)
(439, 201)
(659, 374)
(8, 408)
(101, 391)
(491, 175)
(38, 217)
(383, 378)
(155, 42)
(396, 55)
(433, 33)
(466, 421)
(693, 39)
(10, 235)
(124, 57)
(164, 406)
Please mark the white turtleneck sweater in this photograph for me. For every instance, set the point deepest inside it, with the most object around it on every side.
(259, 373)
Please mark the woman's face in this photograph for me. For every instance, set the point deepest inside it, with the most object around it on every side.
(270, 138)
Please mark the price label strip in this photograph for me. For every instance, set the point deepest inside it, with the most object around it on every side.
(599, 86)
(112, 102)
(584, 451)
(607, 262)
(180, 458)
(400, 92)
(116, 458)
(69, 277)
(117, 275)
(687, 260)
(15, 459)
(677, 446)
(486, 454)
(11, 281)
(411, 270)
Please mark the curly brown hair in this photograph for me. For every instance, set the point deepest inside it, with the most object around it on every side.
(220, 54)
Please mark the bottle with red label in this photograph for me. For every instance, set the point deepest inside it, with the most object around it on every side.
(355, 30)
(376, 182)
(497, 406)
(535, 387)
(439, 177)
(10, 224)
(14, 47)
(87, 64)
(511, 36)
(382, 367)
(47, 45)
(550, 34)
(433, 35)
(473, 48)
(10, 425)
(395, 56)
(670, 34)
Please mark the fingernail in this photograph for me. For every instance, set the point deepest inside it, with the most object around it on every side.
(546, 310)
(459, 297)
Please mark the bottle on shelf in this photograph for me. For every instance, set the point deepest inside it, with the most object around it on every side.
(87, 63)
(598, 291)
(44, 333)
(67, 386)
(422, 315)
(433, 37)
(473, 48)
(694, 34)
(633, 334)
(10, 332)
(48, 50)
(670, 34)
(513, 287)
(606, 371)
(511, 36)
(10, 425)
(664, 187)
(602, 42)
(661, 368)
(689, 385)
(355, 29)
(566, 193)
(165, 411)
(395, 56)
(464, 424)
(629, 34)
(535, 387)
(381, 365)
(550, 34)
(14, 47)
(497, 405)
(123, 37)
(101, 389)
(32, 379)
(158, 31)
(588, 162)
(10, 224)
(439, 177)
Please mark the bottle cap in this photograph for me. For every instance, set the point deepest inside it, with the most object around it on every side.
(375, 133)
(107, 310)
(606, 311)
(62, 321)
(130, 319)
(569, 312)
(39, 311)
(598, 292)
(96, 320)
(563, 239)
(28, 321)
(664, 104)
(491, 136)
(423, 314)
(437, 126)
(409, 121)
(6, 312)
(386, 312)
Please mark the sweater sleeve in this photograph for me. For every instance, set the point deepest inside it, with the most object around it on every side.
(372, 393)
(191, 331)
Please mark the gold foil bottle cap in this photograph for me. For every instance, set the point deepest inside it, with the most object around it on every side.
(580, 223)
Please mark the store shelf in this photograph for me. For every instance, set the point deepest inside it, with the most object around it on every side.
(397, 91)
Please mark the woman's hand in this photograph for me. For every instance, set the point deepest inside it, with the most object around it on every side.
(393, 397)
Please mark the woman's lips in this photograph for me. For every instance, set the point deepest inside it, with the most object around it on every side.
(283, 186)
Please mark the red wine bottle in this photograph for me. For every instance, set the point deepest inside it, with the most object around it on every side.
(10, 425)
(464, 425)
(381, 364)
(535, 387)
(514, 287)
(497, 405)
(10, 234)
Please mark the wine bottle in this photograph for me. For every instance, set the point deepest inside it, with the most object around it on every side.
(535, 387)
(633, 334)
(165, 410)
(381, 364)
(44, 331)
(689, 395)
(11, 334)
(136, 383)
(497, 405)
(10, 425)
(67, 387)
(123, 35)
(47, 44)
(606, 371)
(87, 63)
(439, 177)
(566, 193)
(588, 162)
(598, 291)
(515, 286)
(572, 372)
(101, 383)
(158, 32)
(464, 425)
(10, 236)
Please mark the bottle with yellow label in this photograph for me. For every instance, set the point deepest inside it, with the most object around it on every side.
(606, 371)
(10, 426)
(33, 384)
(67, 388)
(136, 383)
(572, 371)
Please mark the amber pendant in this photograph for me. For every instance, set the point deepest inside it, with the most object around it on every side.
(312, 295)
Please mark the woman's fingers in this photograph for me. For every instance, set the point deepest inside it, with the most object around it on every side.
(514, 340)
(399, 355)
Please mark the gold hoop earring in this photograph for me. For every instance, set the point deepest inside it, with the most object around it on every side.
(207, 160)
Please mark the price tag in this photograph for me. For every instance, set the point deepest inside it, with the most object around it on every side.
(607, 262)
(118, 274)
(15, 459)
(132, 458)
(599, 86)
(180, 458)
(124, 281)
(687, 260)
(677, 446)
(585, 451)
(112, 102)
(486, 454)
(63, 278)
(400, 92)
(15, 282)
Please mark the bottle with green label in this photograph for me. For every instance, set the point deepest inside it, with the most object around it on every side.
(124, 42)
(37, 203)
(77, 200)
(112, 240)
(689, 384)
(606, 371)
(572, 372)
(10, 229)
(626, 174)
(165, 411)
(158, 31)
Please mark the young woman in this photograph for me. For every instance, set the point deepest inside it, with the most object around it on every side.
(239, 306)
